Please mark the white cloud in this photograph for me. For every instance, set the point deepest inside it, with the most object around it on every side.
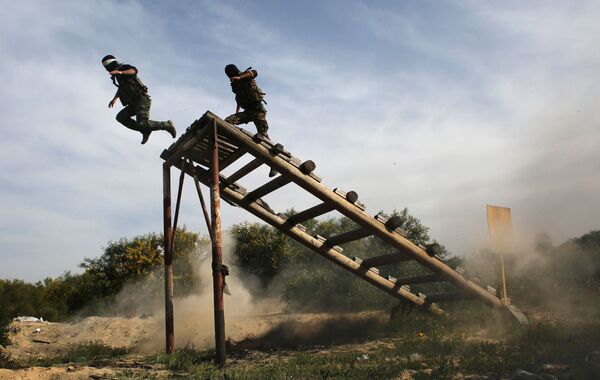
(512, 122)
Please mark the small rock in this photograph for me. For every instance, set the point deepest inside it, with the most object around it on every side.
(70, 368)
(476, 377)
(362, 357)
(554, 368)
(415, 357)
(593, 358)
(525, 375)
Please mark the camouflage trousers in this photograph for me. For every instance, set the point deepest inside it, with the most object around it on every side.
(141, 111)
(258, 115)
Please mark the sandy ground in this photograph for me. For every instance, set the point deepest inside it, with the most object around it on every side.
(142, 336)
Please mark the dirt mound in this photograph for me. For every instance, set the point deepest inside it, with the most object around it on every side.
(42, 340)
(146, 335)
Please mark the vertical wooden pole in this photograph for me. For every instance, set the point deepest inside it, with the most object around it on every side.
(504, 287)
(168, 259)
(217, 258)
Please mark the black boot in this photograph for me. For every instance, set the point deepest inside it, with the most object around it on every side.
(169, 127)
(145, 136)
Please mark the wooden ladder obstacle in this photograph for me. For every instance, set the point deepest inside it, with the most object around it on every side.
(191, 154)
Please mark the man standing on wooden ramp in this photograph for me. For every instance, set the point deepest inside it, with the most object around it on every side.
(134, 96)
(249, 97)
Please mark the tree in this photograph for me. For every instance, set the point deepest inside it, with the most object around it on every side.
(260, 250)
(311, 282)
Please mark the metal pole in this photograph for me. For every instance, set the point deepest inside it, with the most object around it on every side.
(168, 259)
(177, 204)
(202, 203)
(504, 288)
(217, 259)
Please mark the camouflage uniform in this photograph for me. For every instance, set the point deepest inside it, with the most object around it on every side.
(250, 97)
(134, 96)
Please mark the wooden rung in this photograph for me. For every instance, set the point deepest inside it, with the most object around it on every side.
(309, 213)
(349, 236)
(244, 170)
(448, 297)
(419, 279)
(267, 188)
(391, 258)
(232, 158)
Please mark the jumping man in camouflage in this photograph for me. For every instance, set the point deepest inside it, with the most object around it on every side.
(134, 96)
(249, 97)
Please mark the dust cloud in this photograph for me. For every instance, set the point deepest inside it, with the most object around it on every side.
(245, 315)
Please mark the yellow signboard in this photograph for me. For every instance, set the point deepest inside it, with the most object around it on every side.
(500, 228)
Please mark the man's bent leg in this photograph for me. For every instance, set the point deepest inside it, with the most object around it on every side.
(146, 125)
(125, 117)
(143, 116)
(239, 118)
(260, 120)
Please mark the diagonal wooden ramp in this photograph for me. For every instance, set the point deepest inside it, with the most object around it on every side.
(190, 153)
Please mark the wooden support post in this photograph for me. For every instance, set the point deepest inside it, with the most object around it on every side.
(168, 260)
(217, 258)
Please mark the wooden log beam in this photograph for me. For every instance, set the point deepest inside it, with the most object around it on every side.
(174, 153)
(309, 213)
(391, 258)
(267, 188)
(313, 243)
(349, 236)
(347, 209)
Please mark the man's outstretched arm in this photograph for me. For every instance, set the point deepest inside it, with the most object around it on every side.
(250, 74)
(130, 71)
(111, 104)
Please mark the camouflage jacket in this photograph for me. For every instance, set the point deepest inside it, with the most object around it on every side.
(247, 93)
(130, 86)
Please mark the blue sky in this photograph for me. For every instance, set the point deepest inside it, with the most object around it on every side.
(439, 106)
